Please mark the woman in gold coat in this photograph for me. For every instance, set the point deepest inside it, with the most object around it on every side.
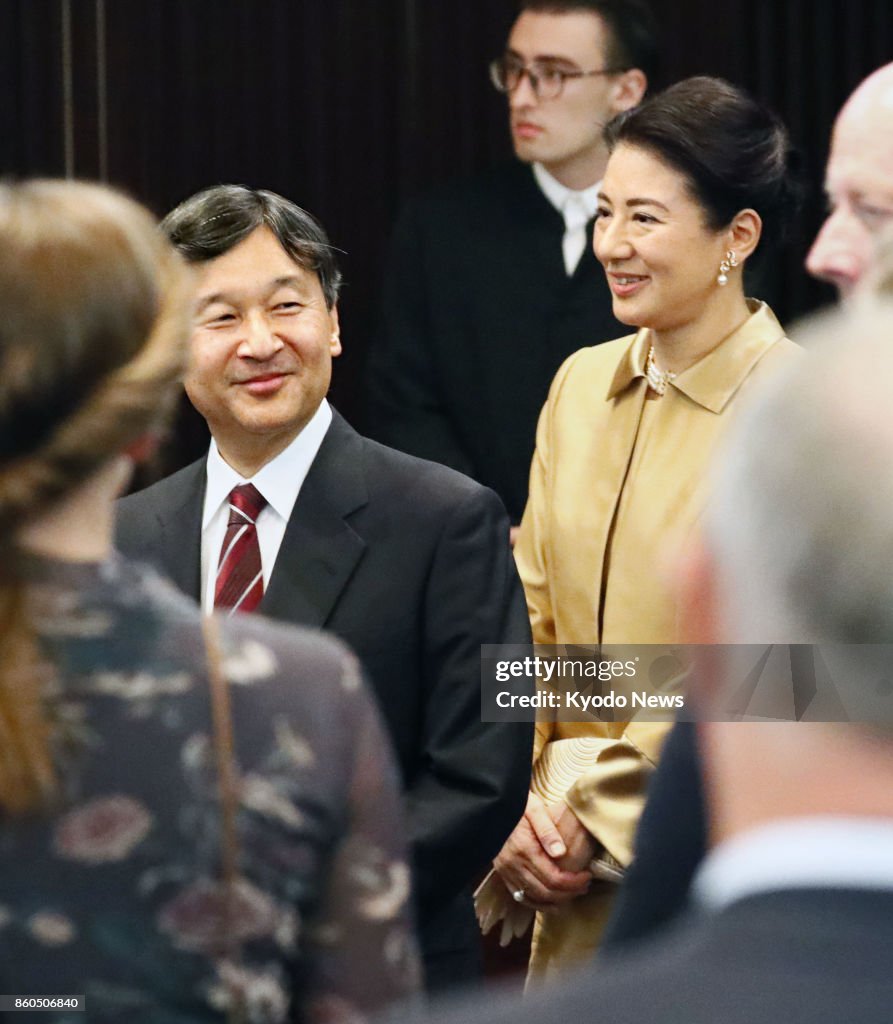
(696, 181)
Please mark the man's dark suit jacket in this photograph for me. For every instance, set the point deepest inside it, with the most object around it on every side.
(808, 956)
(478, 314)
(671, 842)
(409, 563)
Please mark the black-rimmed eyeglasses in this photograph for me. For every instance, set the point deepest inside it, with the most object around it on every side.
(546, 80)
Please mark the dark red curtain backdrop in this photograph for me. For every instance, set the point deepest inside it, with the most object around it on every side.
(350, 106)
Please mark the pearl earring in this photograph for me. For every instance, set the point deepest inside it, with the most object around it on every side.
(730, 261)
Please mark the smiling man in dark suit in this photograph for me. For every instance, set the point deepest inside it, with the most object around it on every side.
(295, 514)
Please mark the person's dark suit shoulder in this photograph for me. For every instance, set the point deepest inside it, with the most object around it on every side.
(812, 956)
(426, 489)
(482, 187)
(469, 206)
(443, 489)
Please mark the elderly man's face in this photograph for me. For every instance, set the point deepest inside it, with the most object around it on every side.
(859, 184)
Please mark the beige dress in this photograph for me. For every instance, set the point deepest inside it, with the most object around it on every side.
(616, 485)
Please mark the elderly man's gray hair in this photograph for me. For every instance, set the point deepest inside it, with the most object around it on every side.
(800, 522)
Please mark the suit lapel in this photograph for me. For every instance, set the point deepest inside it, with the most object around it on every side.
(320, 550)
(180, 522)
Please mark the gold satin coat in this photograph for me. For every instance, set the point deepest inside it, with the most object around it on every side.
(616, 485)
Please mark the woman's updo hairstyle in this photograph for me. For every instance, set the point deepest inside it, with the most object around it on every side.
(733, 152)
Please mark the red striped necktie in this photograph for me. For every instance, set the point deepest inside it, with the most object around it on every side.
(240, 581)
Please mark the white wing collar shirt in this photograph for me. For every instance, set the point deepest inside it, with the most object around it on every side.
(577, 208)
(279, 481)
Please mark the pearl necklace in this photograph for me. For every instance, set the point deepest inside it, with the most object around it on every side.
(658, 380)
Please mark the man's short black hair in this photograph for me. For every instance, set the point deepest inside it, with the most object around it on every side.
(631, 24)
(215, 220)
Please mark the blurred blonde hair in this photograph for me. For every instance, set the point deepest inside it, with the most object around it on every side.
(92, 346)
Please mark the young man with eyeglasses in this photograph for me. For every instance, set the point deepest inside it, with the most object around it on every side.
(492, 282)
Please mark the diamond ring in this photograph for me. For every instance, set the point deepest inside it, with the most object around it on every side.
(518, 895)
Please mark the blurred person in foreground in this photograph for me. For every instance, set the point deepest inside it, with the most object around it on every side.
(859, 185)
(792, 918)
(697, 182)
(142, 863)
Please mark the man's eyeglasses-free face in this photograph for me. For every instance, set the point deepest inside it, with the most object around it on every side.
(547, 80)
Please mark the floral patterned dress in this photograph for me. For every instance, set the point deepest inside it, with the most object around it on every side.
(116, 894)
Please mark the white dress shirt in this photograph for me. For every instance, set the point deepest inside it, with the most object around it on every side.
(279, 481)
(577, 208)
(803, 853)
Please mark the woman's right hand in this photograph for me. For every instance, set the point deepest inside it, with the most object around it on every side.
(527, 861)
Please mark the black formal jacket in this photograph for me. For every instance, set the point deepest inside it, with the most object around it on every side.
(409, 562)
(808, 956)
(671, 842)
(478, 314)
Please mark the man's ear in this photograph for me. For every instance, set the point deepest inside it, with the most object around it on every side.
(697, 589)
(699, 611)
(335, 341)
(629, 88)
(143, 448)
